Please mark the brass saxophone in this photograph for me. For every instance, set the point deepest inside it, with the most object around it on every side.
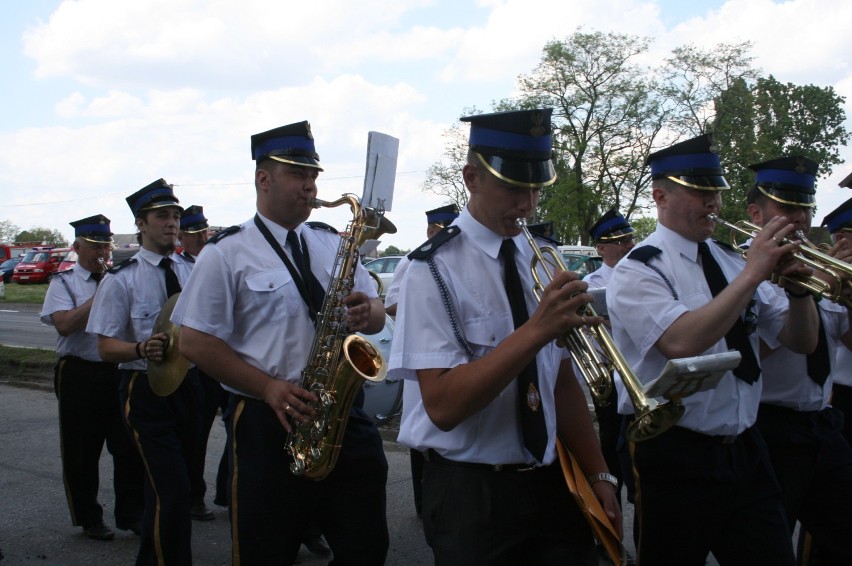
(339, 361)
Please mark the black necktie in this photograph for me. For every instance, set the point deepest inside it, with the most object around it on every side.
(96, 277)
(737, 337)
(172, 284)
(532, 414)
(818, 364)
(303, 264)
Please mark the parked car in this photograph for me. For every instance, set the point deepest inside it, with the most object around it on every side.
(384, 268)
(38, 265)
(8, 267)
(582, 263)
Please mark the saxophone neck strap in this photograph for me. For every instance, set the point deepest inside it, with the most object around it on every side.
(294, 273)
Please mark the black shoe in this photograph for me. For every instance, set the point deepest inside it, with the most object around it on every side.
(200, 512)
(99, 531)
(134, 527)
(317, 545)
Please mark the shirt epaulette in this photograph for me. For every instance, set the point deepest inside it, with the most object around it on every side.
(317, 225)
(428, 248)
(122, 265)
(644, 253)
(224, 232)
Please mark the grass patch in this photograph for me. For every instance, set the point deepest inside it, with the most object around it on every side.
(27, 365)
(26, 294)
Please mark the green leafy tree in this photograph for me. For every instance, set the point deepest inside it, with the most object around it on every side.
(444, 178)
(643, 227)
(40, 234)
(606, 116)
(393, 250)
(8, 231)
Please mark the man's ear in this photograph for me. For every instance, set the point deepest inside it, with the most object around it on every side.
(470, 174)
(755, 213)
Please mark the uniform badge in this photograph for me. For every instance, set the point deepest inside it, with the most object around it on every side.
(533, 398)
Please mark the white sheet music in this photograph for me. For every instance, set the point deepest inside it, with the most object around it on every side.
(382, 152)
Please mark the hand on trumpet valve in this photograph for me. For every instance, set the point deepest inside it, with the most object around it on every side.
(768, 247)
(562, 305)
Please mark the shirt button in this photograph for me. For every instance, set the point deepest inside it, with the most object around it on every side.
(270, 285)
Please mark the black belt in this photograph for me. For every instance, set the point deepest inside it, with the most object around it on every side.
(435, 458)
(693, 436)
(79, 360)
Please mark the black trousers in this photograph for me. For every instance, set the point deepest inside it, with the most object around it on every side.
(473, 515)
(841, 399)
(165, 430)
(269, 505)
(213, 398)
(813, 463)
(609, 433)
(697, 494)
(89, 416)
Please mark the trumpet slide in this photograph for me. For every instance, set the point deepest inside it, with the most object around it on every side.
(595, 353)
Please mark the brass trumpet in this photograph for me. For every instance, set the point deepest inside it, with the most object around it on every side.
(839, 272)
(595, 353)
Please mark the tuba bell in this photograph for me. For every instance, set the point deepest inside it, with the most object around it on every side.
(595, 353)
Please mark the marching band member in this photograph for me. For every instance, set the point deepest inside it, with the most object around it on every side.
(705, 485)
(811, 458)
(87, 390)
(165, 428)
(495, 387)
(267, 279)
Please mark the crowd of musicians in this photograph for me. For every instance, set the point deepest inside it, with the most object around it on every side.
(508, 464)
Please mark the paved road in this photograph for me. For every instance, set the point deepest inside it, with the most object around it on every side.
(20, 326)
(35, 526)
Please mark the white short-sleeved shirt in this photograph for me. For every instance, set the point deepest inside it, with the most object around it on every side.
(68, 290)
(130, 298)
(392, 294)
(641, 307)
(599, 277)
(785, 372)
(842, 371)
(471, 268)
(241, 292)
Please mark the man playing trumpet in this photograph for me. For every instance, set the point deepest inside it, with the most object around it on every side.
(495, 388)
(811, 458)
(706, 485)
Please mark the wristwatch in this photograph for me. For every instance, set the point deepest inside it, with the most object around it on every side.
(603, 476)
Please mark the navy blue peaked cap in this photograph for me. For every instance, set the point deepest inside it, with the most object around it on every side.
(788, 180)
(156, 195)
(443, 215)
(292, 144)
(516, 146)
(840, 218)
(692, 163)
(192, 219)
(610, 227)
(93, 229)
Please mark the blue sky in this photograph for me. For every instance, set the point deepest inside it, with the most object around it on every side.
(102, 97)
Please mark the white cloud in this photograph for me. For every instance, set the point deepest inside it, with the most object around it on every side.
(175, 88)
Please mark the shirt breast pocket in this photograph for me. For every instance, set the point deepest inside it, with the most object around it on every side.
(142, 312)
(482, 334)
(275, 294)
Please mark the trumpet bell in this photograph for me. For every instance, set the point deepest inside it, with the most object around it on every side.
(165, 376)
(653, 421)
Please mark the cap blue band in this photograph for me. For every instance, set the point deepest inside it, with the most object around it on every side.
(441, 218)
(611, 224)
(840, 221)
(507, 140)
(663, 165)
(91, 229)
(284, 143)
(151, 195)
(192, 219)
(784, 176)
